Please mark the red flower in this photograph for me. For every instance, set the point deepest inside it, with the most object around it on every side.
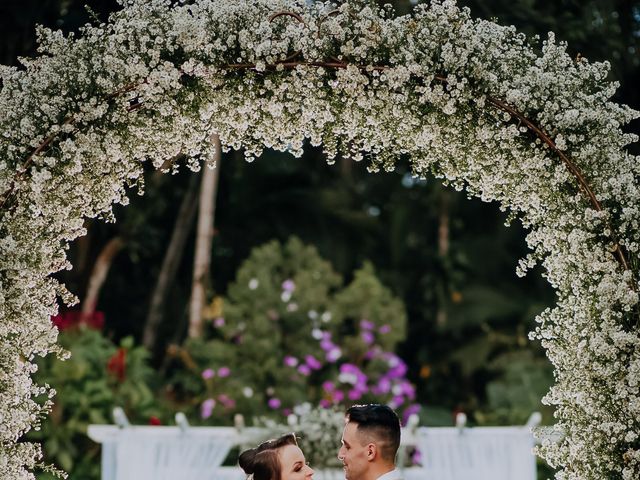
(153, 420)
(73, 318)
(117, 364)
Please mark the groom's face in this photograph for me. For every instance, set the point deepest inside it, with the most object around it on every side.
(354, 453)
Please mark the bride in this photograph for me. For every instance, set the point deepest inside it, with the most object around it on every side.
(277, 459)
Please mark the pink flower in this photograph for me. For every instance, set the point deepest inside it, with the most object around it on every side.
(304, 370)
(227, 401)
(384, 329)
(274, 403)
(208, 373)
(224, 372)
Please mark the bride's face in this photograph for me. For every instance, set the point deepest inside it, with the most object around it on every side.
(293, 465)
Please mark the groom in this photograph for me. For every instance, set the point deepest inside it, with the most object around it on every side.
(370, 440)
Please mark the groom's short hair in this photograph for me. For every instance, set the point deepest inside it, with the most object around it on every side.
(379, 423)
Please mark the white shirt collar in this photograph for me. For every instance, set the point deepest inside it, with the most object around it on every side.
(392, 475)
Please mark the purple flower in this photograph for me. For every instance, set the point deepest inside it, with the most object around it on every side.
(288, 285)
(208, 373)
(366, 325)
(416, 457)
(218, 322)
(410, 410)
(398, 368)
(349, 368)
(384, 329)
(328, 386)
(408, 390)
(206, 409)
(290, 361)
(326, 344)
(398, 371)
(367, 337)
(383, 387)
(274, 403)
(361, 387)
(350, 373)
(224, 372)
(333, 355)
(304, 370)
(312, 362)
(324, 403)
(354, 394)
(338, 396)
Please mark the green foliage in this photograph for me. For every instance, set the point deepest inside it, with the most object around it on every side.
(367, 298)
(517, 392)
(98, 376)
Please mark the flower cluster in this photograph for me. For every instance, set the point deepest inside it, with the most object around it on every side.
(214, 397)
(378, 376)
(157, 79)
(319, 431)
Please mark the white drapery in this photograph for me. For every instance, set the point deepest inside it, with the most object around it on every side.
(481, 453)
(187, 457)
(163, 453)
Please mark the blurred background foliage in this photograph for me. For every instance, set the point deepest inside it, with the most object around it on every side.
(387, 248)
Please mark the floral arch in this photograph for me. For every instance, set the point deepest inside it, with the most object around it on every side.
(467, 100)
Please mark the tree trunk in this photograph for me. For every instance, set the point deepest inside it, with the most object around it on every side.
(99, 274)
(204, 239)
(443, 247)
(170, 263)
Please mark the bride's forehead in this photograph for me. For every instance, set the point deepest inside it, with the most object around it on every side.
(290, 454)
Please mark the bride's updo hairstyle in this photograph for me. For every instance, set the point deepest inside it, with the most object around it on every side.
(262, 462)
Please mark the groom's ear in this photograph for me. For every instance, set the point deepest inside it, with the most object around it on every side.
(372, 452)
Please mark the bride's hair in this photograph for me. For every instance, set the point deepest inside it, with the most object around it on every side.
(262, 462)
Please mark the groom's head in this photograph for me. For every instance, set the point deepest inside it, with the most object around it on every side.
(370, 441)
